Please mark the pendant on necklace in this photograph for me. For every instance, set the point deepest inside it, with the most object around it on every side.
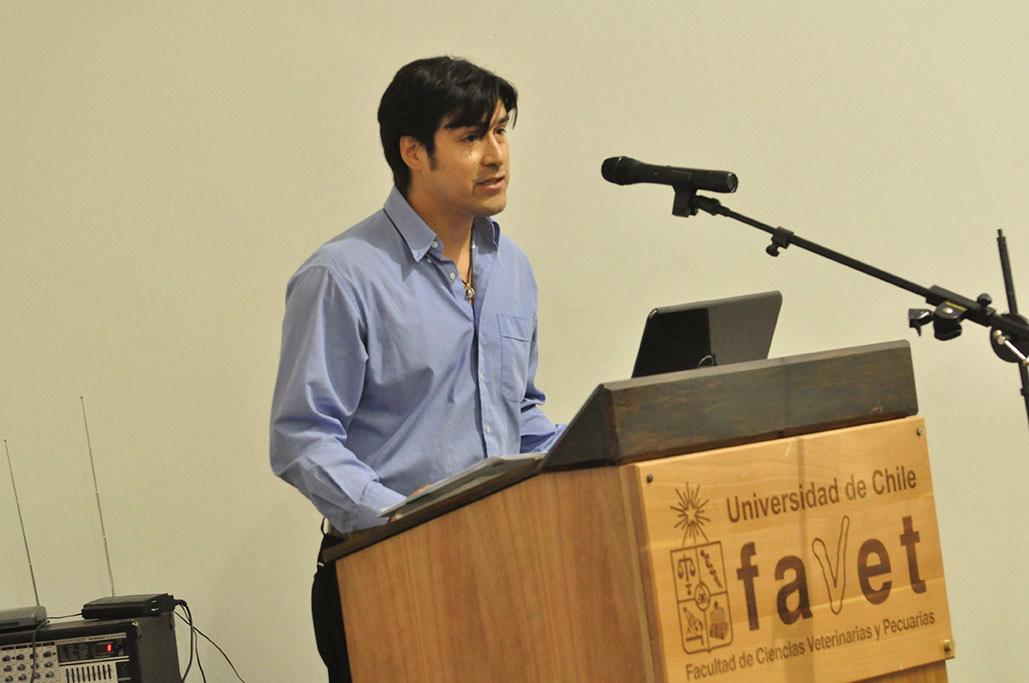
(469, 292)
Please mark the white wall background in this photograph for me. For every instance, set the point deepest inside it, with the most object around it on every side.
(164, 167)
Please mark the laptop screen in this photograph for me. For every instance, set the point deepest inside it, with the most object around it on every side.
(708, 333)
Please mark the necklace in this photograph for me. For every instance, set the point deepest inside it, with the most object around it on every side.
(469, 290)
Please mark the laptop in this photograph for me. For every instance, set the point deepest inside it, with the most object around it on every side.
(708, 333)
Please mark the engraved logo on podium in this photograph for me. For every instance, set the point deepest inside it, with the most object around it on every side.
(698, 569)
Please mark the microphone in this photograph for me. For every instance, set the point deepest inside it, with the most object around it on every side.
(627, 171)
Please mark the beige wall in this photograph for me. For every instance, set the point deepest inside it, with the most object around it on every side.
(165, 166)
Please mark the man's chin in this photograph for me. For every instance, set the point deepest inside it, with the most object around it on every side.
(494, 206)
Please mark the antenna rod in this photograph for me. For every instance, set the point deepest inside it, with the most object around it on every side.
(96, 490)
(24, 537)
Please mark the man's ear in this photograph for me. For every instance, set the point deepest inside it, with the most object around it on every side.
(414, 153)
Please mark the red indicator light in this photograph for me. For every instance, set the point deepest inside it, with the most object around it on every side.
(109, 647)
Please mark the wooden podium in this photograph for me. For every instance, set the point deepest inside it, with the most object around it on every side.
(765, 521)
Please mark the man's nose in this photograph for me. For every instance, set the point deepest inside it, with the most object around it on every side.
(495, 151)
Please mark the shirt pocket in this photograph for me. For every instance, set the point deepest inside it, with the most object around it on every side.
(515, 342)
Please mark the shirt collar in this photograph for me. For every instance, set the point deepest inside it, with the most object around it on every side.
(419, 237)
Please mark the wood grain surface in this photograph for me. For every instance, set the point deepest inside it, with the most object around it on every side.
(582, 575)
(536, 583)
(766, 563)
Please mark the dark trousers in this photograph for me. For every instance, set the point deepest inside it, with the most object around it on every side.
(328, 618)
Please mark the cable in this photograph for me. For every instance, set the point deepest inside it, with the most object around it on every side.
(193, 644)
(217, 647)
(192, 638)
(35, 639)
(203, 674)
(193, 631)
(189, 664)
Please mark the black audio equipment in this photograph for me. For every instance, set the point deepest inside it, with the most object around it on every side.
(126, 606)
(141, 650)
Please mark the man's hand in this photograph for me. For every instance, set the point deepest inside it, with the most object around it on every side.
(399, 513)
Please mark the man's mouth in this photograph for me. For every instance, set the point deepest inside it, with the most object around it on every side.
(493, 183)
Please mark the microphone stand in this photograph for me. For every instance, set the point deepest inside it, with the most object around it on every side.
(1009, 332)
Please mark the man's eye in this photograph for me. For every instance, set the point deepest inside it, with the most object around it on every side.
(501, 131)
(471, 137)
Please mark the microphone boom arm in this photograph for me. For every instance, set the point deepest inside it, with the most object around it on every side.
(1010, 331)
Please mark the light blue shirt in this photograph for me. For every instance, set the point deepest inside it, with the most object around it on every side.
(389, 378)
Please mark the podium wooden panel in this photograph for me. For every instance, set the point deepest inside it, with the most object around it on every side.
(509, 588)
(570, 575)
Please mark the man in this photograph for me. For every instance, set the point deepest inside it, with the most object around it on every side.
(409, 341)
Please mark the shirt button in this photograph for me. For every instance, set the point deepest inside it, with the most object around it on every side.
(435, 243)
(488, 430)
(482, 375)
(453, 275)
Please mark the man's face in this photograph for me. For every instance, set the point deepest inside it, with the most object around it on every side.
(468, 173)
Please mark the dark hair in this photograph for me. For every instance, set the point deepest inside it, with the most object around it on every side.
(427, 91)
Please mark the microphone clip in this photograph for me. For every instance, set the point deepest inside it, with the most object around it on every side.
(684, 205)
(687, 202)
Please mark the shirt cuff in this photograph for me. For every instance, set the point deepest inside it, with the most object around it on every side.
(373, 500)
